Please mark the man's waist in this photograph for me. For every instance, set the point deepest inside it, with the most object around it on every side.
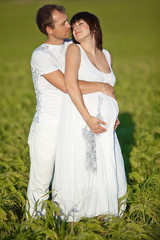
(47, 117)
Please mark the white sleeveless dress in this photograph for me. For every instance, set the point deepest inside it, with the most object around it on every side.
(89, 169)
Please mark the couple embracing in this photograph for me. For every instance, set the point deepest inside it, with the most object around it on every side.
(72, 139)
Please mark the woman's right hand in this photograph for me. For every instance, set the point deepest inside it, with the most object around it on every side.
(94, 124)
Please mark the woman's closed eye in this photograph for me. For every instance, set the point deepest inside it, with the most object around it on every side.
(78, 24)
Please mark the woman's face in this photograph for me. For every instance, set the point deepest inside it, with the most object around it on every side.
(81, 30)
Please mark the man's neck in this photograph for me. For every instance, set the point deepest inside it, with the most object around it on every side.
(53, 41)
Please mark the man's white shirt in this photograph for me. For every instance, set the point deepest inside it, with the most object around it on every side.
(46, 59)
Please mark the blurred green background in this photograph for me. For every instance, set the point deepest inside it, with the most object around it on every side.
(130, 28)
(131, 34)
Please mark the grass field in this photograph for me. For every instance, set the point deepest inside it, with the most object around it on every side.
(131, 34)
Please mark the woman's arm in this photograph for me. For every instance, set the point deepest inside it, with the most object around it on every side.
(71, 75)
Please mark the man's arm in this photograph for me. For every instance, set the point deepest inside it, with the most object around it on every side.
(56, 78)
(43, 62)
(91, 87)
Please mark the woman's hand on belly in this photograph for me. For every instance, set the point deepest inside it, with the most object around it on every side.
(108, 90)
(94, 124)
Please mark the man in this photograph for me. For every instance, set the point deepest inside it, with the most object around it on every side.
(47, 65)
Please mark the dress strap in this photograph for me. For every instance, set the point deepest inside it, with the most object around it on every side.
(108, 56)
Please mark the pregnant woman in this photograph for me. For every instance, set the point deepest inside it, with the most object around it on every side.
(89, 171)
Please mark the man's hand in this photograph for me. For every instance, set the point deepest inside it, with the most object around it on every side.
(94, 124)
(116, 124)
(108, 90)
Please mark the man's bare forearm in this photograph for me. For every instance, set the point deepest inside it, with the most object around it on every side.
(91, 87)
(56, 78)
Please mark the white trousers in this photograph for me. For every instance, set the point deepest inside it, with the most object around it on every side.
(42, 146)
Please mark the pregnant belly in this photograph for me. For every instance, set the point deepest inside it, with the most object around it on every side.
(103, 107)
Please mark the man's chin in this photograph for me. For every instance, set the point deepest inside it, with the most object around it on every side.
(67, 35)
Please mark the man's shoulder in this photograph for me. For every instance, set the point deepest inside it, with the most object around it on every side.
(41, 52)
(45, 52)
(42, 49)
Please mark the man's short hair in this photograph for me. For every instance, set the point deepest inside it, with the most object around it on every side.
(44, 16)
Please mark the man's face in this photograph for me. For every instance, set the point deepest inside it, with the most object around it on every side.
(62, 27)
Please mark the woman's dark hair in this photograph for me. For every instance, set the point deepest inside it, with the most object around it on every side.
(44, 16)
(93, 23)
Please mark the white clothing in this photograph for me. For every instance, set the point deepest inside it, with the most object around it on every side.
(43, 132)
(89, 169)
(42, 146)
(46, 59)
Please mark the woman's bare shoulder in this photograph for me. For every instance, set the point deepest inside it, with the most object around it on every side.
(73, 47)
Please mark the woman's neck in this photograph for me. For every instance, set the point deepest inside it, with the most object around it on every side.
(89, 46)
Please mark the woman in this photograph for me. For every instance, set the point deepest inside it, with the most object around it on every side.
(89, 171)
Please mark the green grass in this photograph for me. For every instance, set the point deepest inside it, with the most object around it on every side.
(131, 34)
